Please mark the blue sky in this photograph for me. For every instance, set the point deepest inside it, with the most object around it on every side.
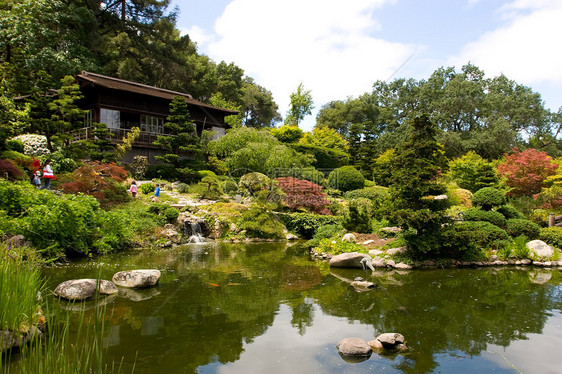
(339, 50)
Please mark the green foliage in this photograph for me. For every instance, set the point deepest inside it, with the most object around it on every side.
(34, 145)
(14, 145)
(325, 137)
(346, 178)
(237, 139)
(378, 195)
(382, 167)
(208, 188)
(472, 172)
(301, 105)
(287, 134)
(138, 167)
(357, 220)
(520, 249)
(337, 247)
(9, 169)
(305, 225)
(254, 182)
(147, 188)
(230, 187)
(167, 213)
(509, 212)
(327, 231)
(265, 157)
(551, 236)
(468, 237)
(324, 158)
(476, 214)
(517, 227)
(260, 223)
(488, 197)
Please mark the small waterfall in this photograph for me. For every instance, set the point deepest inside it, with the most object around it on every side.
(196, 234)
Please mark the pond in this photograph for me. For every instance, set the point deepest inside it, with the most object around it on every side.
(268, 308)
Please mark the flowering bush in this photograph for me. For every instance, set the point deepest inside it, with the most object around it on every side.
(34, 145)
(303, 194)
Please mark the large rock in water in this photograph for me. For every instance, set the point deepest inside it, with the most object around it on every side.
(540, 249)
(349, 260)
(82, 289)
(354, 349)
(137, 278)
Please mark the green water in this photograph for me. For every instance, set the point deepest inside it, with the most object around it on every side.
(267, 308)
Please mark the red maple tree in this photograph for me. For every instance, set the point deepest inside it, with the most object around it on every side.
(526, 171)
(303, 194)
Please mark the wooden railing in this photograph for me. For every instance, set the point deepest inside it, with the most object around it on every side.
(145, 139)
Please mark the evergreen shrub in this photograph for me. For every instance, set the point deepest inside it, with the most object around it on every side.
(551, 236)
(147, 188)
(475, 214)
(509, 212)
(357, 220)
(305, 225)
(488, 197)
(260, 223)
(467, 237)
(346, 178)
(517, 227)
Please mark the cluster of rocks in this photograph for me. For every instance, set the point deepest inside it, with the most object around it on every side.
(82, 289)
(357, 349)
(377, 258)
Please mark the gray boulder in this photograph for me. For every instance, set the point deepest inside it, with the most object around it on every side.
(82, 289)
(349, 260)
(540, 249)
(137, 278)
(390, 340)
(354, 348)
(349, 238)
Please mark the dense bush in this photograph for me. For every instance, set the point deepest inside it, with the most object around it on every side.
(467, 237)
(551, 236)
(475, 214)
(260, 223)
(517, 227)
(287, 134)
(15, 145)
(509, 212)
(229, 186)
(376, 194)
(357, 220)
(166, 212)
(488, 197)
(305, 225)
(9, 169)
(472, 172)
(208, 188)
(346, 178)
(254, 182)
(325, 158)
(147, 188)
(19, 158)
(34, 145)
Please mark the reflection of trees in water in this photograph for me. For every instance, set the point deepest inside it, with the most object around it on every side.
(440, 311)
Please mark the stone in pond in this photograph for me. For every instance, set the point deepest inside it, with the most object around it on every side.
(137, 278)
(349, 260)
(391, 339)
(354, 349)
(82, 289)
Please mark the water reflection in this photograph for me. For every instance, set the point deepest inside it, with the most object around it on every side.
(266, 307)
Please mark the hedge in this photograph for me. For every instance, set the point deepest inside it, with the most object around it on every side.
(305, 225)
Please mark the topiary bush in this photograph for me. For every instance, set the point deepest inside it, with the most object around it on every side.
(488, 197)
(516, 227)
(346, 178)
(551, 236)
(510, 212)
(475, 214)
(468, 237)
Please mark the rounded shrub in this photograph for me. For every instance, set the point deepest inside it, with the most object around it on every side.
(15, 145)
(516, 227)
(475, 214)
(510, 212)
(254, 182)
(488, 197)
(229, 186)
(471, 235)
(346, 178)
(551, 236)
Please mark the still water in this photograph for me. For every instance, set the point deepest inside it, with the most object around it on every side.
(268, 308)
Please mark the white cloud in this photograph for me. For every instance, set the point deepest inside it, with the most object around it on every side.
(326, 44)
(526, 49)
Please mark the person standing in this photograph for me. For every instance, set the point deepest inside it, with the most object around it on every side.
(133, 190)
(48, 175)
(36, 180)
(157, 193)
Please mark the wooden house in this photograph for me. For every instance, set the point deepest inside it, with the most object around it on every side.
(122, 105)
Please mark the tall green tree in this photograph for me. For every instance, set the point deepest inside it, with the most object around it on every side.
(183, 139)
(301, 105)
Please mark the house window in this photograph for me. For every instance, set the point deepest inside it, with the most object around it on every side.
(151, 124)
(89, 119)
(112, 118)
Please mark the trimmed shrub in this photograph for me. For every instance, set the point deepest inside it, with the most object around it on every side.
(466, 237)
(260, 223)
(357, 220)
(305, 225)
(475, 214)
(551, 236)
(15, 145)
(326, 158)
(19, 158)
(346, 178)
(516, 227)
(206, 173)
(254, 182)
(230, 187)
(488, 197)
(510, 212)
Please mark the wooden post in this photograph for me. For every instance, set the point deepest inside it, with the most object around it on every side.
(551, 220)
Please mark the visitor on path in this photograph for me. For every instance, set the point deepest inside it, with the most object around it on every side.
(157, 193)
(48, 175)
(133, 190)
(36, 180)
